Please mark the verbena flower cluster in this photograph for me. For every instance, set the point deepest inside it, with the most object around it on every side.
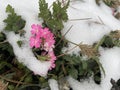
(43, 39)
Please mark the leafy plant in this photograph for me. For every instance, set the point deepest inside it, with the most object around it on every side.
(53, 20)
(13, 22)
(112, 39)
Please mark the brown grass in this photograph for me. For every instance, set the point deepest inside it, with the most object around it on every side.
(3, 86)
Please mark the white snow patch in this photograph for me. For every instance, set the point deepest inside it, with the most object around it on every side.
(53, 84)
(110, 60)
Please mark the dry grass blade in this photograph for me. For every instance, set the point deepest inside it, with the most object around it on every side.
(112, 3)
(88, 50)
(115, 34)
(3, 86)
(79, 19)
(116, 3)
(117, 15)
(64, 35)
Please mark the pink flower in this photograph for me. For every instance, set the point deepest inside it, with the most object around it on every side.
(52, 66)
(52, 55)
(52, 59)
(45, 36)
(36, 29)
(49, 39)
(43, 39)
(34, 41)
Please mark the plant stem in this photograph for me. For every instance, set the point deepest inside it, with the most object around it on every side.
(63, 67)
(79, 19)
(66, 52)
(99, 43)
(22, 78)
(73, 43)
(3, 42)
(13, 81)
(63, 36)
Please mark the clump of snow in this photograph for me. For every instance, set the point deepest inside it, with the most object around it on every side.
(53, 84)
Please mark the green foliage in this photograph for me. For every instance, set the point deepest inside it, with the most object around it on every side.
(77, 67)
(13, 22)
(53, 20)
(2, 37)
(112, 3)
(11, 87)
(4, 45)
(19, 43)
(73, 65)
(45, 13)
(108, 2)
(108, 42)
(73, 72)
(112, 39)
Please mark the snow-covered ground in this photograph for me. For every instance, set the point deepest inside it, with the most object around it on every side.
(101, 21)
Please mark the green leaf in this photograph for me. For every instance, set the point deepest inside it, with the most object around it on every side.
(28, 79)
(19, 43)
(9, 9)
(84, 65)
(100, 65)
(9, 75)
(98, 79)
(74, 60)
(13, 22)
(3, 64)
(43, 58)
(11, 87)
(59, 14)
(116, 42)
(7, 47)
(45, 13)
(108, 42)
(73, 72)
(2, 37)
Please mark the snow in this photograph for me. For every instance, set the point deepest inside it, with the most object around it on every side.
(53, 84)
(88, 31)
(110, 60)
